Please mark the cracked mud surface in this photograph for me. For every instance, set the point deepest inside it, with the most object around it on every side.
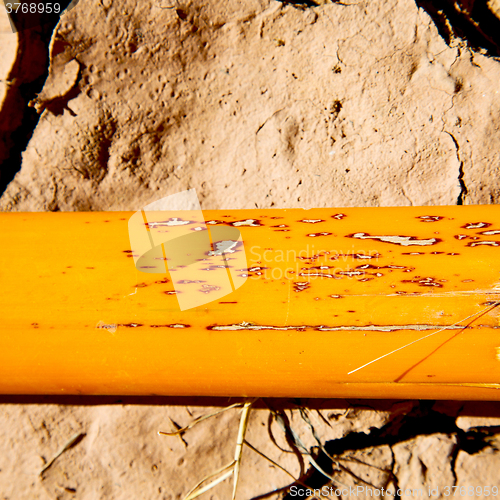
(257, 103)
(335, 105)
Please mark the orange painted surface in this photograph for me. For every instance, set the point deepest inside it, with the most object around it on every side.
(326, 292)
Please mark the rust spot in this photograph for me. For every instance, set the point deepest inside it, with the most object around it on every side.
(321, 275)
(35, 325)
(396, 239)
(299, 286)
(89, 268)
(491, 232)
(172, 222)
(228, 302)
(424, 282)
(359, 256)
(140, 285)
(247, 222)
(430, 218)
(106, 221)
(69, 267)
(352, 273)
(313, 257)
(364, 256)
(164, 280)
(172, 325)
(214, 267)
(252, 271)
(489, 243)
(351, 311)
(370, 266)
(208, 288)
(476, 225)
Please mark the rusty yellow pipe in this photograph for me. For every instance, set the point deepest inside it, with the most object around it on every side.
(354, 302)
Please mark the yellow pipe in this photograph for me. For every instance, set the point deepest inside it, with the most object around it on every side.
(353, 302)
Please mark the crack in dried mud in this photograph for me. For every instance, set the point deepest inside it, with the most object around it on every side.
(463, 187)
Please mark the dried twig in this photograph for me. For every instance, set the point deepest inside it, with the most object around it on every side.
(73, 441)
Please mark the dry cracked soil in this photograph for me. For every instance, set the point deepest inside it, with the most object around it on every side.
(255, 103)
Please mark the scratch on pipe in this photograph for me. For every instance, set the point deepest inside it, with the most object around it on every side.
(398, 379)
(478, 315)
